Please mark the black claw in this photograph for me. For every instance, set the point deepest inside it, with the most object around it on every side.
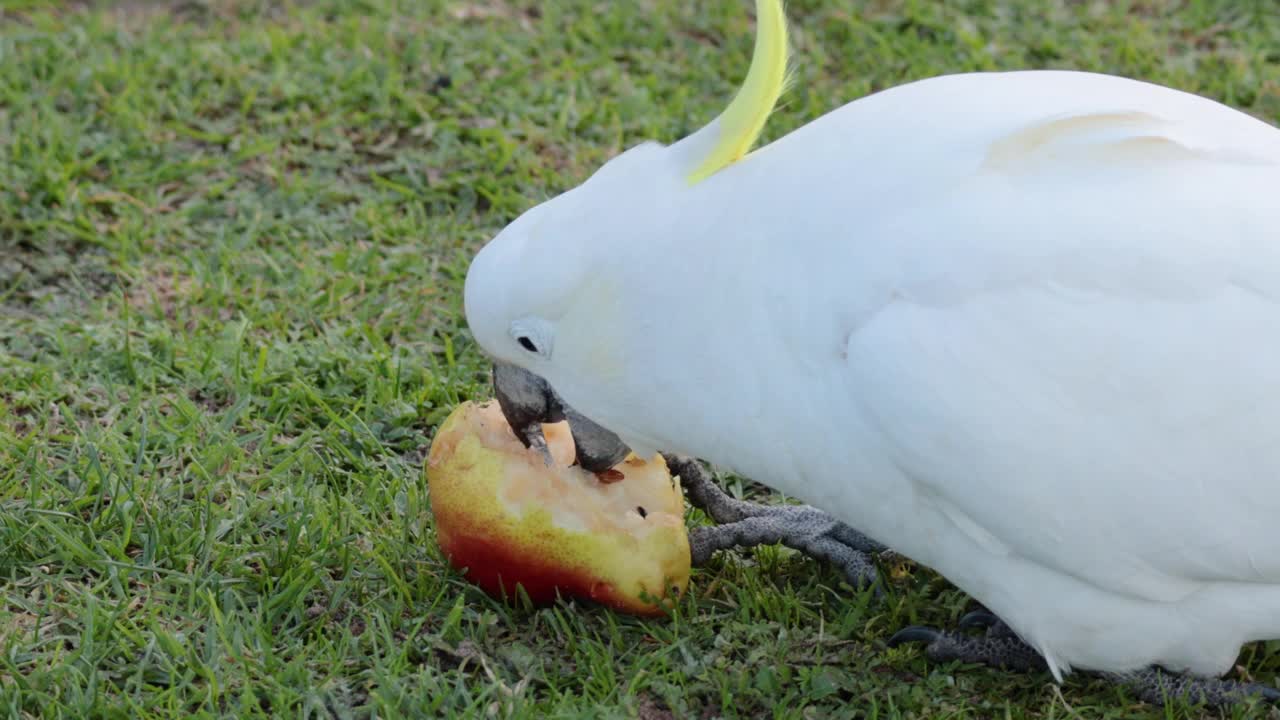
(978, 619)
(914, 633)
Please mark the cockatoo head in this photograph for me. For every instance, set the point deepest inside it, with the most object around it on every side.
(536, 294)
(534, 297)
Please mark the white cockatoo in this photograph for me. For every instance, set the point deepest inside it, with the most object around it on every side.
(1021, 327)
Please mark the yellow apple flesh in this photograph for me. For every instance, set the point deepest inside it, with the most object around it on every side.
(508, 519)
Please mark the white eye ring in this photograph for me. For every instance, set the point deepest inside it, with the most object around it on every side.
(534, 335)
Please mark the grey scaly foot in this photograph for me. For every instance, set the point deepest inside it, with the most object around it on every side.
(999, 647)
(1156, 686)
(745, 524)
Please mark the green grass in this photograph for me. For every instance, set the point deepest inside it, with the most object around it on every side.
(232, 242)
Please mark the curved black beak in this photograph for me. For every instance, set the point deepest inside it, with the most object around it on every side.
(596, 449)
(527, 401)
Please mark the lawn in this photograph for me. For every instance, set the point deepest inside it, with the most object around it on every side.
(233, 237)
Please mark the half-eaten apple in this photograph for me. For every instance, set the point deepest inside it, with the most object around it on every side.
(507, 518)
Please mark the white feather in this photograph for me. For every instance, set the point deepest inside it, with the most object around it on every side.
(1023, 327)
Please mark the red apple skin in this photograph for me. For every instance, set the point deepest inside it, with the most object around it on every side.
(495, 565)
(505, 518)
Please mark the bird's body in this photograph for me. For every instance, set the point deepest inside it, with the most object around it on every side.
(1023, 328)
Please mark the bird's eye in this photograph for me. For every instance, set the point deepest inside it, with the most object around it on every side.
(533, 334)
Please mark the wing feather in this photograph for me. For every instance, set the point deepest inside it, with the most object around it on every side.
(1081, 354)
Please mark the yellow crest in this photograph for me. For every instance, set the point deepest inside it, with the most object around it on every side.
(741, 123)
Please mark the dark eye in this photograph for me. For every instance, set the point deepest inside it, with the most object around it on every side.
(527, 344)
